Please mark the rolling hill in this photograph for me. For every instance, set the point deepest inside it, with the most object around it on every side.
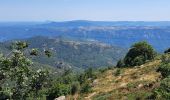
(73, 54)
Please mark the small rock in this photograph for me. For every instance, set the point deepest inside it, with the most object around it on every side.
(60, 98)
(140, 85)
(95, 82)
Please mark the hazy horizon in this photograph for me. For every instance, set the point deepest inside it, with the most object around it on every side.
(95, 10)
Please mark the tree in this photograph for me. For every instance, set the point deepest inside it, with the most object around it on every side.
(17, 80)
(139, 53)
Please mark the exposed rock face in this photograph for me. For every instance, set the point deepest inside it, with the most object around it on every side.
(60, 98)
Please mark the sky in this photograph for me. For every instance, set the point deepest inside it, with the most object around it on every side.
(97, 10)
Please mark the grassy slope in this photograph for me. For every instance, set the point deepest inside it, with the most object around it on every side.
(131, 84)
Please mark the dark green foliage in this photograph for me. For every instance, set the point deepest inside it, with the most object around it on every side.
(19, 45)
(163, 92)
(118, 72)
(34, 52)
(120, 63)
(167, 51)
(58, 90)
(86, 88)
(39, 81)
(47, 53)
(164, 69)
(17, 80)
(4, 96)
(138, 54)
(89, 73)
(75, 87)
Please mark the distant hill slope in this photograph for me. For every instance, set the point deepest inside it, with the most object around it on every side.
(75, 54)
(129, 84)
(123, 33)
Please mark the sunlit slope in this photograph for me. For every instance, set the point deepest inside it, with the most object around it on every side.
(126, 83)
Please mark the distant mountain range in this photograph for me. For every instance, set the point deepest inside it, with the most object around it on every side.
(86, 23)
(121, 34)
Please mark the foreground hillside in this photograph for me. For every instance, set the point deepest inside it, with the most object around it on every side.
(142, 74)
(126, 83)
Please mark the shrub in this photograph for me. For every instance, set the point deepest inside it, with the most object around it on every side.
(58, 90)
(164, 69)
(75, 88)
(163, 92)
(86, 88)
(118, 72)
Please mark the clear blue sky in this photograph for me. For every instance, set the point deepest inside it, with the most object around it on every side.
(62, 10)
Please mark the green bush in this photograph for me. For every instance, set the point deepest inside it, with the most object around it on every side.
(163, 92)
(118, 72)
(75, 87)
(164, 69)
(138, 54)
(17, 80)
(86, 88)
(58, 90)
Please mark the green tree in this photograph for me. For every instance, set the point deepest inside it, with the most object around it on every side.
(17, 80)
(139, 53)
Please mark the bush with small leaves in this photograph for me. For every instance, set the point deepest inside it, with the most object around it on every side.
(86, 88)
(138, 54)
(47, 53)
(17, 80)
(75, 87)
(164, 69)
(163, 92)
(57, 90)
(34, 52)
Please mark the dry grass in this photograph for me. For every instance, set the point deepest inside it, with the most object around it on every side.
(141, 78)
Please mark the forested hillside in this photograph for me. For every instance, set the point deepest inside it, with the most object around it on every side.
(73, 54)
